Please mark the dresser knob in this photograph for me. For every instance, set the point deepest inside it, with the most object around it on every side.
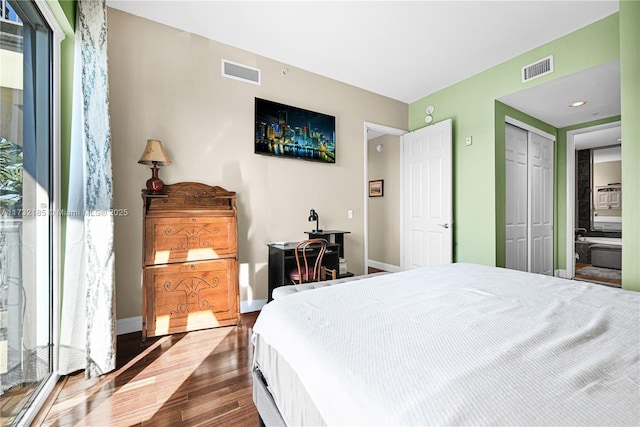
(193, 220)
(193, 267)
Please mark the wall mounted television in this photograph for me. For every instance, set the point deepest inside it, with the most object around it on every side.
(285, 131)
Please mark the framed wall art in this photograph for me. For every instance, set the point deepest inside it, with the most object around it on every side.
(286, 131)
(376, 188)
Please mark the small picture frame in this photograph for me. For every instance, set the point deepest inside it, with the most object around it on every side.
(376, 188)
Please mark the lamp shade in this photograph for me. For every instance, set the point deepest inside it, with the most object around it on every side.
(154, 154)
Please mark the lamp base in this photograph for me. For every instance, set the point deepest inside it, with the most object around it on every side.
(155, 184)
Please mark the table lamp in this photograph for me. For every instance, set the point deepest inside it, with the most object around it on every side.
(313, 216)
(154, 155)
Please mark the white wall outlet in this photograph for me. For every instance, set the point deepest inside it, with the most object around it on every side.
(468, 141)
(350, 214)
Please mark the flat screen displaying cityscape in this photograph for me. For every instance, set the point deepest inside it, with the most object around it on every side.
(285, 131)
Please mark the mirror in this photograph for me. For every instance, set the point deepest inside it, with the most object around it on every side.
(606, 189)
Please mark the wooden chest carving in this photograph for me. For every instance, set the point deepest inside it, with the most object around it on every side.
(190, 259)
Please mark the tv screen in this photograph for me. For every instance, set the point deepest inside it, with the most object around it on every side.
(285, 131)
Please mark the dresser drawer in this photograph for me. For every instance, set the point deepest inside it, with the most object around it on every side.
(191, 296)
(172, 240)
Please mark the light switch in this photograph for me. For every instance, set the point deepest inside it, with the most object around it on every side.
(350, 214)
(468, 141)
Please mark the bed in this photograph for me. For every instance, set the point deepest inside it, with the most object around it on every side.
(460, 344)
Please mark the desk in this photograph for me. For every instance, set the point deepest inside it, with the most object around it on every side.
(282, 261)
(338, 237)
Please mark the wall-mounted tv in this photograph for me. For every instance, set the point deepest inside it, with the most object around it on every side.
(285, 131)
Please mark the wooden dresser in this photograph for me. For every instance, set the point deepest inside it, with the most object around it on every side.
(190, 259)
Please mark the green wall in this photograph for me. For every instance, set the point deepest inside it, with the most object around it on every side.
(471, 104)
(69, 9)
(630, 92)
(65, 13)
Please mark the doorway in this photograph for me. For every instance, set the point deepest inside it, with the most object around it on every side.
(425, 190)
(382, 219)
(594, 201)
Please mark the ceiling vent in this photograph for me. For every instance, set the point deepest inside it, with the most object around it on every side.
(537, 69)
(241, 72)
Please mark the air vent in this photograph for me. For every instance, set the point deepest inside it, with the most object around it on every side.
(241, 72)
(537, 69)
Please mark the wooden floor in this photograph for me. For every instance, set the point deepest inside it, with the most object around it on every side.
(200, 378)
(13, 401)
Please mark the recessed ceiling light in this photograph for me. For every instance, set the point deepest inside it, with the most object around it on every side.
(577, 104)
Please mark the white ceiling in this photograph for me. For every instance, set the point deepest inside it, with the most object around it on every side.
(598, 138)
(598, 86)
(402, 50)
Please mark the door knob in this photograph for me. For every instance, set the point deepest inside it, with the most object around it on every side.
(444, 225)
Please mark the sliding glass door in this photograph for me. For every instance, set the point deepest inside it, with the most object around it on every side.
(26, 141)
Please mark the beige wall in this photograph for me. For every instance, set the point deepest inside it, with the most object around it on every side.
(605, 173)
(166, 84)
(384, 212)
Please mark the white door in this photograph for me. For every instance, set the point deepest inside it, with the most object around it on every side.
(517, 199)
(541, 204)
(427, 188)
(529, 201)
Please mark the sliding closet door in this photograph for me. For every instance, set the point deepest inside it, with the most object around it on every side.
(517, 198)
(541, 204)
(529, 201)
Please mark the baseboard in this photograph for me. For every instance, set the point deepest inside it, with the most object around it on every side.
(248, 306)
(134, 324)
(561, 273)
(382, 266)
(129, 325)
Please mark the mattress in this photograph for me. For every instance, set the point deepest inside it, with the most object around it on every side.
(281, 291)
(453, 345)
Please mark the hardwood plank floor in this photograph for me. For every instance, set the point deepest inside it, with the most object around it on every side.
(200, 378)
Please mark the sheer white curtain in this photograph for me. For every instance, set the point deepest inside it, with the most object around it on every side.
(87, 320)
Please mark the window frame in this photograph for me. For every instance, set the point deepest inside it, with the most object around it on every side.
(55, 258)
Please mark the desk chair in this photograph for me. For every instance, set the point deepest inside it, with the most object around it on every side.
(309, 255)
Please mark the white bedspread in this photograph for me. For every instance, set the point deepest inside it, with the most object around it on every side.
(463, 345)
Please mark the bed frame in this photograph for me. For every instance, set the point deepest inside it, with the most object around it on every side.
(268, 412)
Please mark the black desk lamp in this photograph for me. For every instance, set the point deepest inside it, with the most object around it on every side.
(313, 216)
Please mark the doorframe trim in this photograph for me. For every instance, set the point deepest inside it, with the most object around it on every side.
(387, 130)
(527, 127)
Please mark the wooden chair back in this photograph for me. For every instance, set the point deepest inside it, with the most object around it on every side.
(309, 254)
